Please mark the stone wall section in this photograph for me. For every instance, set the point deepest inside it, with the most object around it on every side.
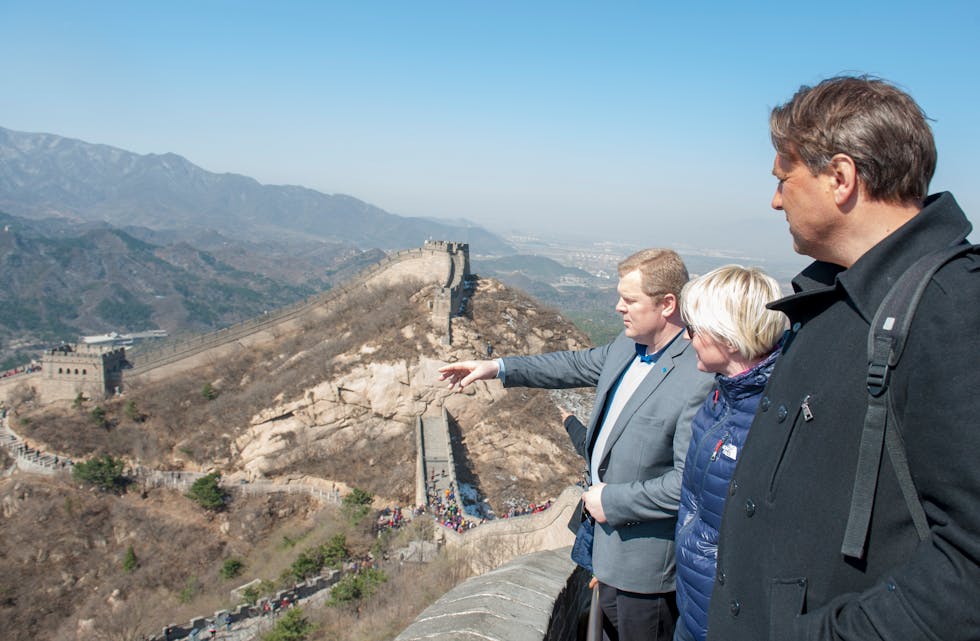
(496, 542)
(443, 263)
(436, 465)
(500, 540)
(537, 597)
(246, 621)
(18, 385)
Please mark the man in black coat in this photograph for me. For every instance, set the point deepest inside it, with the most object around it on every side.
(854, 157)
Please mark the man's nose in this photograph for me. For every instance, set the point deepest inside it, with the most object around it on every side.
(777, 199)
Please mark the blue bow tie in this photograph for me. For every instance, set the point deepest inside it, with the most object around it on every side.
(641, 352)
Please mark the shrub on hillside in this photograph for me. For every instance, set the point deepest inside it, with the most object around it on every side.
(133, 413)
(105, 473)
(130, 562)
(209, 392)
(99, 417)
(357, 504)
(206, 492)
(231, 568)
(293, 626)
(192, 587)
(330, 554)
(354, 587)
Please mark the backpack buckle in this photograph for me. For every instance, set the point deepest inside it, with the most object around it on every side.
(878, 378)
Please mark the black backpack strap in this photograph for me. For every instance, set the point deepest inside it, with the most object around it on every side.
(895, 445)
(886, 341)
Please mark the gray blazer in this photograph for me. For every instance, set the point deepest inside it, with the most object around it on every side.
(644, 456)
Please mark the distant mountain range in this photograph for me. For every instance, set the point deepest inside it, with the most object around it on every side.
(61, 281)
(44, 175)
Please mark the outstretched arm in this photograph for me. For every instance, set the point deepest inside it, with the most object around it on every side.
(465, 372)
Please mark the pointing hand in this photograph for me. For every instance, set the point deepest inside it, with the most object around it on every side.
(465, 372)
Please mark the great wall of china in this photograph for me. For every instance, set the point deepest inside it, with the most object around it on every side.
(533, 547)
(97, 371)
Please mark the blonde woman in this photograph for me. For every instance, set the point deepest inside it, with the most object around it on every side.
(737, 339)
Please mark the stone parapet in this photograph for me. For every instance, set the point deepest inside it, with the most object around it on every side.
(500, 540)
(537, 597)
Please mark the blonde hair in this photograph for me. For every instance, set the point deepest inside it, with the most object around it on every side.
(661, 271)
(729, 304)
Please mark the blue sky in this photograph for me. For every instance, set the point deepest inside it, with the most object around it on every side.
(628, 120)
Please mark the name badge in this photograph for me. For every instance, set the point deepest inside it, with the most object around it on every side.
(729, 450)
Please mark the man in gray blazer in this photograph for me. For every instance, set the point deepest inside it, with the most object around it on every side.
(648, 388)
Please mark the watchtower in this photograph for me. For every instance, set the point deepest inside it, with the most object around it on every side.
(94, 371)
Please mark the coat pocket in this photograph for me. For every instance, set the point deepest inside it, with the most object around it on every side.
(787, 450)
(787, 599)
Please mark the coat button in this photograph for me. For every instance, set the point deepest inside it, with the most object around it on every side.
(781, 413)
(796, 327)
(734, 607)
(732, 488)
(765, 403)
(722, 577)
(749, 508)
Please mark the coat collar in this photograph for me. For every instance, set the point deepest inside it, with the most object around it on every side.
(750, 382)
(940, 223)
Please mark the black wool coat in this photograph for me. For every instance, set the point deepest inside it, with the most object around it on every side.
(781, 575)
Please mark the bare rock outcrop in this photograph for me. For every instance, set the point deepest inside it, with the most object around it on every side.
(509, 442)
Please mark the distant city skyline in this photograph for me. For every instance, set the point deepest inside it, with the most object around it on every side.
(630, 122)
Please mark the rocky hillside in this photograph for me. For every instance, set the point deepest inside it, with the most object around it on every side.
(62, 572)
(332, 405)
(339, 401)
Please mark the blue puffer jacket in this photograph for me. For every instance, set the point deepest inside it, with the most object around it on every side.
(718, 432)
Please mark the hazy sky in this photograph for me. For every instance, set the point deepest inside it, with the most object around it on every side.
(643, 121)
